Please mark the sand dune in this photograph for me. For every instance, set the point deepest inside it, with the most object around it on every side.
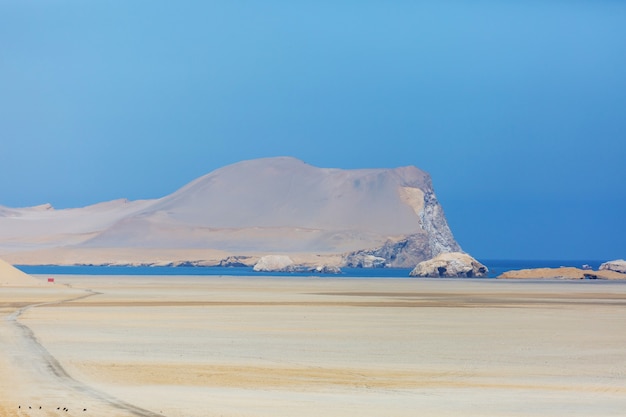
(44, 227)
(276, 204)
(9, 275)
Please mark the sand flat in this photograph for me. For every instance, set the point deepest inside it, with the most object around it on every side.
(251, 346)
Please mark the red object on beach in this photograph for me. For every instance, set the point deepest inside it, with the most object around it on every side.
(50, 279)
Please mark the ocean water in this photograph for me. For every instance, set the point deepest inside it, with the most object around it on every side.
(496, 267)
(209, 271)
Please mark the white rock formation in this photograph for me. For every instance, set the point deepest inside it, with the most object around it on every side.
(325, 269)
(450, 265)
(618, 265)
(274, 263)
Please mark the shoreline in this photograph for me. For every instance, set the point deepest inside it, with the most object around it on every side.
(554, 273)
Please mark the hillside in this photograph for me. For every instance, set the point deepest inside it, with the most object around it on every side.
(271, 205)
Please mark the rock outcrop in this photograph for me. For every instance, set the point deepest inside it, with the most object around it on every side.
(405, 252)
(618, 265)
(561, 273)
(323, 269)
(450, 265)
(283, 263)
(235, 261)
(364, 260)
(274, 263)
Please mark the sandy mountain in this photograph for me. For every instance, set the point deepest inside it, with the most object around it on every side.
(259, 206)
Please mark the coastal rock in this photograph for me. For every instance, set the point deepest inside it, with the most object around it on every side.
(406, 251)
(325, 269)
(364, 260)
(235, 261)
(274, 263)
(283, 263)
(450, 265)
(561, 273)
(618, 265)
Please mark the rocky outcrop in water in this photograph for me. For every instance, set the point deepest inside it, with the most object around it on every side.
(450, 265)
(274, 263)
(322, 269)
(618, 265)
(364, 259)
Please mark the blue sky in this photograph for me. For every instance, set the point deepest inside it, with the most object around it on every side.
(517, 109)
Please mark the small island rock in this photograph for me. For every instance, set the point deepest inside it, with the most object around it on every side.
(450, 265)
(618, 265)
(325, 269)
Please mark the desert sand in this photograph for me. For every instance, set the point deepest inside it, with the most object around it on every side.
(11, 276)
(250, 346)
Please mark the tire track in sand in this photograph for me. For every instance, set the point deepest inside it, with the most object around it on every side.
(47, 370)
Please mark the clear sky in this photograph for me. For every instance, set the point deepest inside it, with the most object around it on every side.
(516, 108)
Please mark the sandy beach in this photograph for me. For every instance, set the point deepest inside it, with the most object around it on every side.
(252, 346)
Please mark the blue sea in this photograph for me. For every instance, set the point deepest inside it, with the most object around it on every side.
(496, 267)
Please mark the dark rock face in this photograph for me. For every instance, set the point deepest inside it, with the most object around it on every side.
(434, 224)
(404, 253)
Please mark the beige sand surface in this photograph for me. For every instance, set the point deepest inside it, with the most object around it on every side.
(11, 276)
(238, 346)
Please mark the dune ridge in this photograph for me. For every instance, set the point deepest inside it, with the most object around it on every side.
(11, 276)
